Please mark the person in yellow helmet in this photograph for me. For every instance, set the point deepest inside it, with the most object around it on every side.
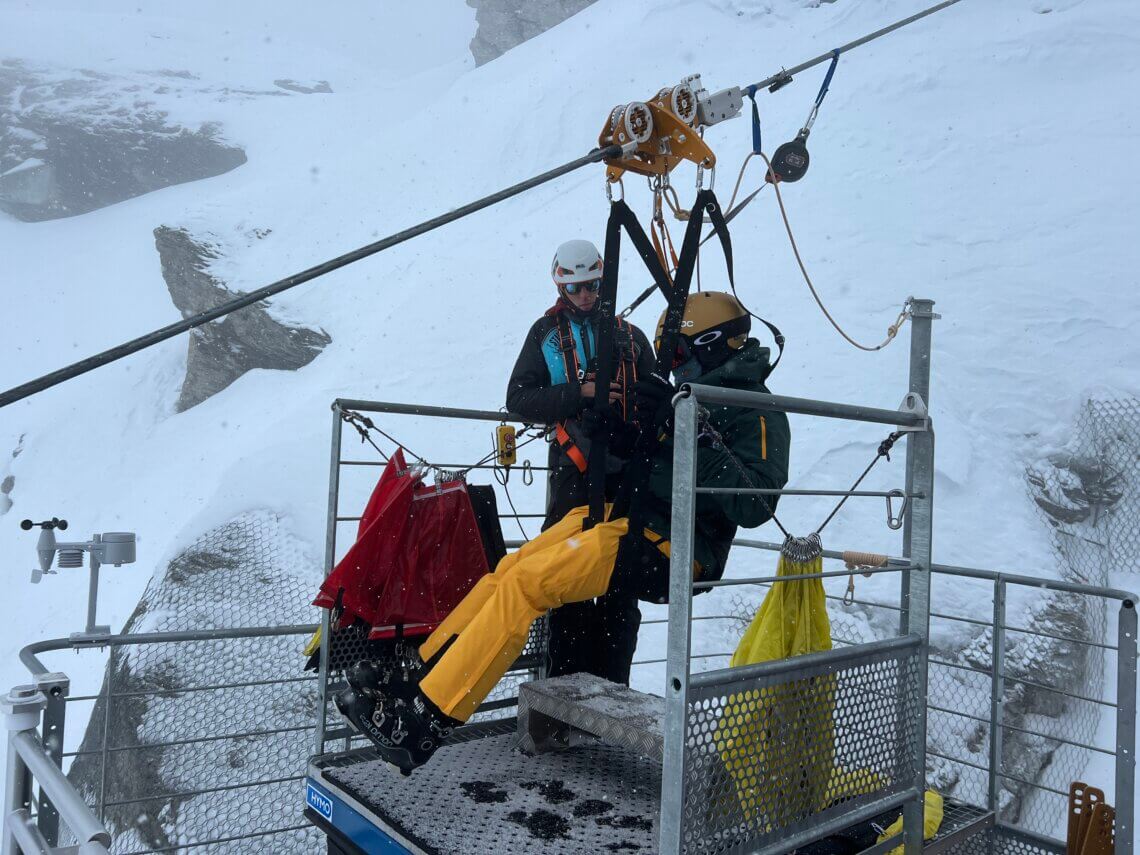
(475, 645)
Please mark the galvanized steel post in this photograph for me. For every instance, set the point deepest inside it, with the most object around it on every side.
(997, 693)
(919, 384)
(55, 688)
(917, 546)
(682, 530)
(1125, 727)
(330, 559)
(22, 707)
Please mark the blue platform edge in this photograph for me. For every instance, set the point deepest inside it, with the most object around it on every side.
(349, 822)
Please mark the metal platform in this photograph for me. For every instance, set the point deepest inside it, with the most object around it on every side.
(554, 712)
(484, 795)
(480, 793)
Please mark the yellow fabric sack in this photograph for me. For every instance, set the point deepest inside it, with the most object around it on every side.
(931, 821)
(777, 744)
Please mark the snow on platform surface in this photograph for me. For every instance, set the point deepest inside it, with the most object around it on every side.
(484, 796)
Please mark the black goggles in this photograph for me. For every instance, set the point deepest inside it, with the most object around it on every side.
(593, 286)
(683, 352)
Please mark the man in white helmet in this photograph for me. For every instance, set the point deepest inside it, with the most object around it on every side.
(552, 383)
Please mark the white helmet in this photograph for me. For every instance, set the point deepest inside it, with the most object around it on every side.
(576, 261)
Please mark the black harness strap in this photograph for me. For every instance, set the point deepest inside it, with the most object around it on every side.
(607, 298)
(628, 501)
(621, 216)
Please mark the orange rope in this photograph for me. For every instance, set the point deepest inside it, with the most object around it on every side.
(892, 330)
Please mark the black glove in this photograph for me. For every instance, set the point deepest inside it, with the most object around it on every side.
(595, 424)
(653, 401)
(623, 439)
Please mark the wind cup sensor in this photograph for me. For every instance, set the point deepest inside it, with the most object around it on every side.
(110, 547)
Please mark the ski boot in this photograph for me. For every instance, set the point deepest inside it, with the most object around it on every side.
(399, 679)
(405, 733)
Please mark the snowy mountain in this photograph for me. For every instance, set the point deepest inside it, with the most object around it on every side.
(982, 158)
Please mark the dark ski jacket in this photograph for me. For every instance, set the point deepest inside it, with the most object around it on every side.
(759, 439)
(539, 388)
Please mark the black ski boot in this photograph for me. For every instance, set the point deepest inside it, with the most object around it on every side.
(397, 679)
(405, 733)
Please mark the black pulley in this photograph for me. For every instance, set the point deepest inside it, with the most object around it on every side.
(791, 160)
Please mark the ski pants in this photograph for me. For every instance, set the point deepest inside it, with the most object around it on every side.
(487, 631)
(593, 636)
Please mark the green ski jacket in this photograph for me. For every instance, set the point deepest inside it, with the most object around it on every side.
(758, 439)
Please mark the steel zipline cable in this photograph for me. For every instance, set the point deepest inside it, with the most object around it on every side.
(40, 384)
(93, 362)
(785, 75)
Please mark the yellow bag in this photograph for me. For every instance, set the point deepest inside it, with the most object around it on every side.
(778, 743)
(931, 821)
(313, 644)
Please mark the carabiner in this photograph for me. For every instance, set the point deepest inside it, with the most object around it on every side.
(896, 522)
(701, 177)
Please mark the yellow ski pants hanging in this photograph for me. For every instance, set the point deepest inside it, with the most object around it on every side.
(491, 625)
(777, 743)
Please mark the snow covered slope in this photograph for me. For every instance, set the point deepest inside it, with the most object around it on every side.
(982, 158)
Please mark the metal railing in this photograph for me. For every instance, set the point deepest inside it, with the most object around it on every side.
(251, 741)
(532, 663)
(702, 709)
(973, 705)
(49, 699)
(899, 768)
(688, 727)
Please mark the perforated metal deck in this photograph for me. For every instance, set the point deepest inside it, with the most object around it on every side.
(483, 795)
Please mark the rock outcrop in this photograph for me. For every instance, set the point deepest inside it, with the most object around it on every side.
(223, 350)
(503, 24)
(75, 141)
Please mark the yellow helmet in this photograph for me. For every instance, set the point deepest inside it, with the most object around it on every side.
(714, 326)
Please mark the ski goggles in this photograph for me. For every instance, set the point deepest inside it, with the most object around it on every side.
(593, 286)
(683, 352)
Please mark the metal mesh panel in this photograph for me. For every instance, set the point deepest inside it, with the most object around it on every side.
(1089, 491)
(768, 757)
(957, 741)
(201, 741)
(1089, 494)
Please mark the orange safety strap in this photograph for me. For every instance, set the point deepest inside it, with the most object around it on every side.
(657, 225)
(627, 367)
(569, 448)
